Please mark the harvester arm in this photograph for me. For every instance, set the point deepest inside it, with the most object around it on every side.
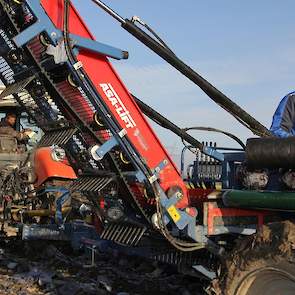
(77, 98)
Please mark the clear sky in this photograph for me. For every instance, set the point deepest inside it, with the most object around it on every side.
(244, 48)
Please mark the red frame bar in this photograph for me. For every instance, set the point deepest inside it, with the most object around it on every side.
(231, 212)
(119, 101)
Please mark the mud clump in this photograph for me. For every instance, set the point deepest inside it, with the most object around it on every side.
(273, 245)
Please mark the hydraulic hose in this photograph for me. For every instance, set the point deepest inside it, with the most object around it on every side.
(165, 123)
(165, 52)
(216, 95)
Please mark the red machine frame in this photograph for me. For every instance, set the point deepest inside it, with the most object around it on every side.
(120, 103)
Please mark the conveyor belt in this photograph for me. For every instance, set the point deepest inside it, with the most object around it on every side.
(87, 184)
(58, 137)
(125, 234)
(71, 107)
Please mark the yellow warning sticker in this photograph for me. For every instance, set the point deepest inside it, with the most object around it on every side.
(174, 213)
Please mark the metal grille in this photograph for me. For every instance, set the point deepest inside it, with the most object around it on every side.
(6, 71)
(16, 87)
(123, 233)
(82, 105)
(88, 184)
(59, 137)
(176, 257)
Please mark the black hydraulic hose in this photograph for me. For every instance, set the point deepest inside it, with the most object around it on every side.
(66, 32)
(181, 132)
(160, 48)
(210, 129)
(165, 123)
(161, 41)
(217, 96)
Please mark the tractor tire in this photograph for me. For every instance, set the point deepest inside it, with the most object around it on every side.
(263, 264)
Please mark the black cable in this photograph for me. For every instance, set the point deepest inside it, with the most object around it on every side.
(217, 96)
(160, 40)
(69, 52)
(211, 129)
(165, 123)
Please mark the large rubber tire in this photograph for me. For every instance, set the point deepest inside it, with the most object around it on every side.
(263, 264)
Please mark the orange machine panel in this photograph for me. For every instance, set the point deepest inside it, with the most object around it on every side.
(46, 167)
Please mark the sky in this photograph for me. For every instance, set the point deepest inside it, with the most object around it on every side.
(244, 48)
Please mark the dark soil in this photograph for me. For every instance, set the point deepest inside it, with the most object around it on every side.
(43, 268)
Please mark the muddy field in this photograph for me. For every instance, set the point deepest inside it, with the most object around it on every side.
(43, 268)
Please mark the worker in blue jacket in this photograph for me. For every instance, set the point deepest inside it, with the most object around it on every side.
(283, 122)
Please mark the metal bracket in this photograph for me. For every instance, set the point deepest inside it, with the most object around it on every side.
(157, 171)
(213, 153)
(185, 222)
(78, 65)
(60, 201)
(97, 47)
(153, 178)
(98, 152)
(180, 218)
(44, 24)
(140, 176)
(160, 167)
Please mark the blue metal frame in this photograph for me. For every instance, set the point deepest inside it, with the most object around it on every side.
(44, 24)
(185, 221)
(97, 47)
(228, 168)
(209, 151)
(59, 203)
(106, 147)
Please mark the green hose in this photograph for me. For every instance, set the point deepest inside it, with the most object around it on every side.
(269, 200)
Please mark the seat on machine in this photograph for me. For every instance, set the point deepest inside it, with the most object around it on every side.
(9, 152)
(8, 144)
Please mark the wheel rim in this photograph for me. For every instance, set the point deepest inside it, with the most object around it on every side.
(267, 281)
